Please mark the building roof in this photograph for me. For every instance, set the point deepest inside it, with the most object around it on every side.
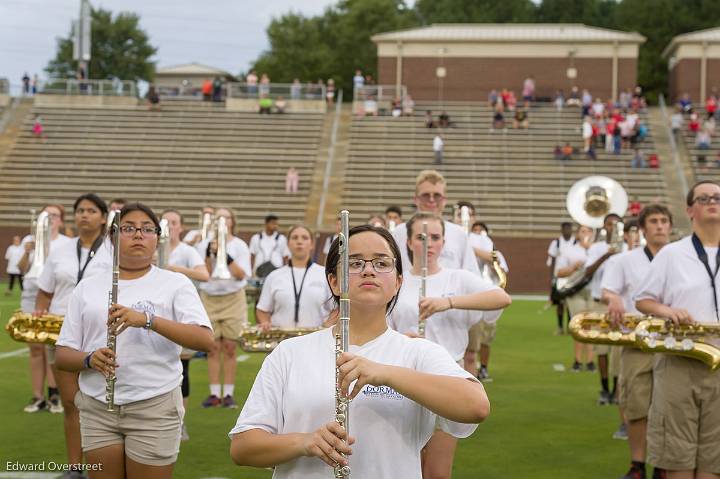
(509, 32)
(710, 35)
(192, 69)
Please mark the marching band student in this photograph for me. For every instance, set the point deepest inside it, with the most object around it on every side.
(684, 417)
(158, 312)
(570, 262)
(40, 369)
(430, 197)
(186, 260)
(623, 274)
(608, 356)
(556, 249)
(82, 257)
(456, 300)
(193, 237)
(295, 295)
(226, 305)
(402, 386)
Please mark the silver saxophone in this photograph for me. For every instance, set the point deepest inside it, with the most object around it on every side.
(342, 337)
(164, 244)
(113, 299)
(423, 274)
(41, 225)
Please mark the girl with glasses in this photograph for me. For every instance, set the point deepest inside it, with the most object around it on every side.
(399, 387)
(158, 312)
(455, 301)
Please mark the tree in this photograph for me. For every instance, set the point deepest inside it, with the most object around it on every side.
(475, 11)
(120, 48)
(599, 13)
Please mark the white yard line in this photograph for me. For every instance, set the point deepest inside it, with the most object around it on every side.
(11, 354)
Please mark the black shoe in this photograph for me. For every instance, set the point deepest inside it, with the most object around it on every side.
(659, 473)
(634, 473)
(590, 366)
(604, 398)
(576, 367)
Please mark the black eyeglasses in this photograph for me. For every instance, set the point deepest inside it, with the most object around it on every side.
(130, 230)
(380, 265)
(706, 200)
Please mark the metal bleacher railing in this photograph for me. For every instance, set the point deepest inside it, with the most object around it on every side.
(89, 87)
(288, 91)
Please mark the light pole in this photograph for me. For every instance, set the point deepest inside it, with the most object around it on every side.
(441, 73)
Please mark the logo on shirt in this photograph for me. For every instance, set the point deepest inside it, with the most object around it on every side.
(144, 306)
(382, 392)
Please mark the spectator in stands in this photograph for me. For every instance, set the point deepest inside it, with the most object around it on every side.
(610, 125)
(685, 103)
(557, 153)
(498, 118)
(590, 154)
(587, 100)
(653, 160)
(438, 147)
(396, 108)
(511, 102)
(567, 152)
(638, 160)
(280, 105)
(493, 98)
(35, 83)
(408, 106)
(295, 89)
(528, 91)
(617, 136)
(559, 100)
(598, 108)
(574, 97)
(252, 80)
(206, 89)
(153, 98)
(358, 80)
(217, 89)
(393, 216)
(709, 125)
(504, 97)
(702, 140)
(371, 106)
(369, 80)
(624, 100)
(587, 133)
(26, 84)
(377, 220)
(635, 207)
(117, 204)
(330, 92)
(429, 120)
(694, 123)
(444, 120)
(264, 84)
(676, 121)
(265, 105)
(37, 129)
(521, 119)
(292, 180)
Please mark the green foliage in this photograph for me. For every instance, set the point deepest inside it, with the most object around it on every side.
(119, 48)
(476, 11)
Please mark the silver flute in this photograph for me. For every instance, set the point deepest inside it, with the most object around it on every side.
(423, 274)
(113, 299)
(342, 338)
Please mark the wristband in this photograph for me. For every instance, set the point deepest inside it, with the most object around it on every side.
(86, 361)
(149, 317)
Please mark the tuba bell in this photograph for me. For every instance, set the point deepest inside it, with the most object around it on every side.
(41, 225)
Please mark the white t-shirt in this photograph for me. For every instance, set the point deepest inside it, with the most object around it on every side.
(191, 235)
(595, 252)
(278, 297)
(624, 273)
(456, 254)
(678, 279)
(185, 256)
(390, 429)
(438, 144)
(557, 248)
(268, 248)
(13, 255)
(149, 362)
(238, 249)
(30, 285)
(61, 270)
(448, 328)
(482, 242)
(572, 255)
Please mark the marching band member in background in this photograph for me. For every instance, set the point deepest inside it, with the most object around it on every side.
(456, 300)
(393, 217)
(684, 417)
(623, 275)
(267, 248)
(557, 248)
(83, 257)
(226, 305)
(40, 369)
(193, 237)
(296, 295)
(158, 311)
(402, 387)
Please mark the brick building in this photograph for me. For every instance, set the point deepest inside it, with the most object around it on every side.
(476, 58)
(694, 64)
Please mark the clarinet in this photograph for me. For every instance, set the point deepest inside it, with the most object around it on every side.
(342, 338)
(113, 299)
(423, 274)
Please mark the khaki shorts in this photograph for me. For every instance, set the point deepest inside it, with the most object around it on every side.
(580, 302)
(228, 313)
(482, 332)
(684, 420)
(149, 429)
(636, 382)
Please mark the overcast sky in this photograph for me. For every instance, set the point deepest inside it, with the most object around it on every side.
(228, 34)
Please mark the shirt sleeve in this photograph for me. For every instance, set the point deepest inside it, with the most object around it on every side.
(242, 256)
(593, 255)
(194, 259)
(71, 334)
(434, 359)
(469, 259)
(253, 248)
(263, 407)
(187, 307)
(653, 285)
(553, 249)
(265, 302)
(613, 278)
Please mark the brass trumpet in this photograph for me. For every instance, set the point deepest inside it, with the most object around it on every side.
(26, 328)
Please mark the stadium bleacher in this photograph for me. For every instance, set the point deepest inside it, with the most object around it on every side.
(710, 168)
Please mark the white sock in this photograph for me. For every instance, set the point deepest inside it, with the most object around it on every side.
(215, 390)
(228, 389)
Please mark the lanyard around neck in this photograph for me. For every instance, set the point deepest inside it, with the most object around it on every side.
(297, 293)
(703, 257)
(91, 254)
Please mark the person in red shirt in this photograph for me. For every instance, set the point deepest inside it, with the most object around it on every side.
(207, 89)
(635, 207)
(711, 105)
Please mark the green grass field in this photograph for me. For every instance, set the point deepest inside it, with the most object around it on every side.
(543, 424)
